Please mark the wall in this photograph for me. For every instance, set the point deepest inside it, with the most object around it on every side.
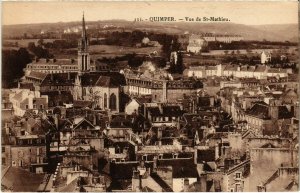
(264, 162)
(27, 155)
(131, 107)
(172, 94)
(235, 140)
(178, 183)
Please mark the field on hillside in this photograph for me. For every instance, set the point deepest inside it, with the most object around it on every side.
(107, 49)
(24, 42)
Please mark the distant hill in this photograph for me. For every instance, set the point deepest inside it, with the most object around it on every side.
(280, 32)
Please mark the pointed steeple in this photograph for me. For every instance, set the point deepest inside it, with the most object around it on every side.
(83, 34)
(83, 51)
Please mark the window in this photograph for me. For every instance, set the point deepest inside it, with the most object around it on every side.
(238, 175)
(113, 102)
(41, 106)
(3, 149)
(144, 157)
(160, 156)
(105, 100)
(26, 106)
(3, 161)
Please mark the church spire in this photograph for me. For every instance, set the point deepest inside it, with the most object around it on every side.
(83, 52)
(83, 34)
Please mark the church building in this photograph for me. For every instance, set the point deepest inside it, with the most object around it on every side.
(82, 81)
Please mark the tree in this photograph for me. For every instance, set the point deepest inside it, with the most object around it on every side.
(40, 42)
(13, 63)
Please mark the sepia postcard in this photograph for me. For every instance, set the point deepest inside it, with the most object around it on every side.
(153, 96)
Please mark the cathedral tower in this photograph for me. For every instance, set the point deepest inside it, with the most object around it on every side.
(83, 54)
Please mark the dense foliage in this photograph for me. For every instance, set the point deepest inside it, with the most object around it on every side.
(13, 62)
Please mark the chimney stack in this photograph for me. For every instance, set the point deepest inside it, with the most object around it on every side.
(186, 185)
(164, 89)
(56, 120)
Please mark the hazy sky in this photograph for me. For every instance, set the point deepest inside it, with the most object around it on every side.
(238, 12)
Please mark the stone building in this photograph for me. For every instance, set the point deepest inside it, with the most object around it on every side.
(265, 57)
(196, 44)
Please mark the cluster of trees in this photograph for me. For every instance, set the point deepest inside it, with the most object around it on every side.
(61, 44)
(13, 62)
(130, 39)
(39, 51)
(133, 59)
(246, 45)
(244, 59)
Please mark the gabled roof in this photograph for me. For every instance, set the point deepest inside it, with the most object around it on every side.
(83, 121)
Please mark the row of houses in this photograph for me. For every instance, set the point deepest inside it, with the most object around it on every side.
(245, 71)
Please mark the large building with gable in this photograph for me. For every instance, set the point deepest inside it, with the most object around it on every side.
(78, 77)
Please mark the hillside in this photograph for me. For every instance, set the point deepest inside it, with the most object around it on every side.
(283, 32)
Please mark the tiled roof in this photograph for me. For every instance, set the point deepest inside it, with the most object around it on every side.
(166, 111)
(284, 113)
(122, 170)
(56, 62)
(106, 81)
(21, 180)
(277, 70)
(18, 96)
(59, 79)
(260, 110)
(260, 68)
(182, 168)
(82, 104)
(25, 85)
(37, 75)
(230, 68)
